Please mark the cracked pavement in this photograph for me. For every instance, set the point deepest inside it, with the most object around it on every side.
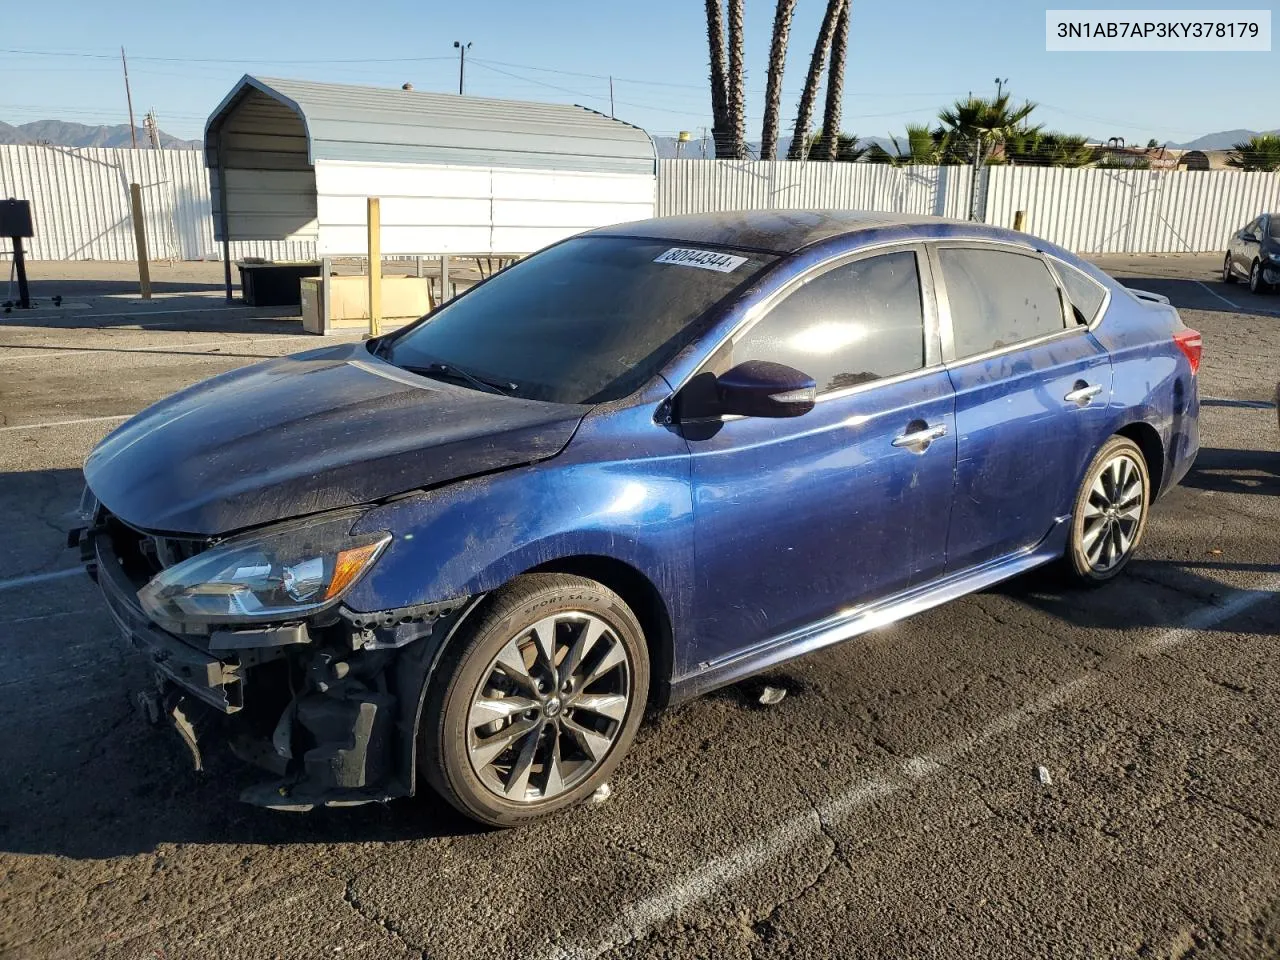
(889, 806)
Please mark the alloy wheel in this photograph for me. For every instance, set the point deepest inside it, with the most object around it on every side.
(549, 707)
(1113, 513)
(1227, 275)
(1255, 278)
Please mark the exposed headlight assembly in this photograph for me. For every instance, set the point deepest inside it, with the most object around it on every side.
(283, 574)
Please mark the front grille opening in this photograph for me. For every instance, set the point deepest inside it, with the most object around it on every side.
(141, 555)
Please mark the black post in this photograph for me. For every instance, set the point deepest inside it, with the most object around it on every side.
(20, 264)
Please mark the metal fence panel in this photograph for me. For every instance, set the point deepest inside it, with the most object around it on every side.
(80, 205)
(1094, 210)
(80, 200)
(700, 186)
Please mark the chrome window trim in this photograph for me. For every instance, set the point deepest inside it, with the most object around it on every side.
(1075, 331)
(928, 306)
(1106, 291)
(950, 360)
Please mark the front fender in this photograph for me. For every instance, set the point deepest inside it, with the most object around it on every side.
(473, 536)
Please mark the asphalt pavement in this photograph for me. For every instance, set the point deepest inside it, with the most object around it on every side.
(1030, 771)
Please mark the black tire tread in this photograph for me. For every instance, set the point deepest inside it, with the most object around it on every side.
(497, 609)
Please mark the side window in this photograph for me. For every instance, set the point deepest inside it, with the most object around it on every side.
(855, 323)
(1275, 228)
(998, 299)
(1085, 294)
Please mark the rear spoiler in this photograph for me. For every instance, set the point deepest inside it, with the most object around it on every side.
(1148, 295)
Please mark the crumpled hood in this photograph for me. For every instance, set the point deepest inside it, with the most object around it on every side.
(331, 428)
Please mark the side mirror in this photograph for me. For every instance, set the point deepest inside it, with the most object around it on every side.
(761, 388)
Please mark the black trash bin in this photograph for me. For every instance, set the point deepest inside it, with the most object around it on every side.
(274, 284)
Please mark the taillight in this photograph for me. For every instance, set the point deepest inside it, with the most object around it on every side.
(1189, 343)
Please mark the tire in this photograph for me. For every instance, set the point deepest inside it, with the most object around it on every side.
(1256, 283)
(1227, 275)
(497, 707)
(1093, 558)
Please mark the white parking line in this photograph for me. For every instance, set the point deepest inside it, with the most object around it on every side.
(177, 347)
(64, 423)
(638, 919)
(28, 580)
(1214, 293)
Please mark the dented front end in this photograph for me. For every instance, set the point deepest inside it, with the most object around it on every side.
(327, 703)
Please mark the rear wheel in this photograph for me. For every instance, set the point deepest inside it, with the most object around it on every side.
(1227, 275)
(535, 706)
(1110, 512)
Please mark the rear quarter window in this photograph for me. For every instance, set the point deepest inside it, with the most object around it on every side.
(1085, 294)
(998, 299)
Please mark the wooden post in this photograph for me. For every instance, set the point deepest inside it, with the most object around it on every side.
(375, 267)
(140, 241)
(444, 278)
(1019, 219)
(326, 268)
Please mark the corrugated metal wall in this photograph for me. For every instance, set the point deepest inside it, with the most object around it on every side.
(80, 200)
(699, 186)
(1131, 211)
(80, 205)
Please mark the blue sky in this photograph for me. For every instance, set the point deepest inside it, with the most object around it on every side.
(905, 61)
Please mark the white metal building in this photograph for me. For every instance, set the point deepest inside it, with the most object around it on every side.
(295, 161)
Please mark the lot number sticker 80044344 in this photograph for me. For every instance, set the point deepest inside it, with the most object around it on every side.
(702, 259)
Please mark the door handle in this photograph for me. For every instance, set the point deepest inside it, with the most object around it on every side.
(921, 438)
(1083, 393)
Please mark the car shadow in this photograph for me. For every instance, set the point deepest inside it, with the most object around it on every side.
(1254, 472)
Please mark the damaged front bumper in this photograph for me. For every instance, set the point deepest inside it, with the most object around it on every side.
(330, 708)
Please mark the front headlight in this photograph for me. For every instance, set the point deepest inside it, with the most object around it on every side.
(285, 574)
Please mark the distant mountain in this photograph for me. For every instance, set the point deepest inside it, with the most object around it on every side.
(1219, 141)
(63, 133)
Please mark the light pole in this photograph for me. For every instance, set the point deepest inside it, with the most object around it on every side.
(462, 49)
(999, 85)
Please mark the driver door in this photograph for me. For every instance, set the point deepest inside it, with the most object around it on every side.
(797, 519)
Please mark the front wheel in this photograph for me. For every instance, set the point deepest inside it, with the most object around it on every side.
(1227, 275)
(1110, 512)
(535, 705)
(1256, 283)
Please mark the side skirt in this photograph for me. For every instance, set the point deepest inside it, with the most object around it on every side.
(858, 620)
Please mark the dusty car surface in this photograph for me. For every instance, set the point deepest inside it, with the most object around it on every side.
(1253, 254)
(645, 462)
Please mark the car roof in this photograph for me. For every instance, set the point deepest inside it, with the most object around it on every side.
(786, 231)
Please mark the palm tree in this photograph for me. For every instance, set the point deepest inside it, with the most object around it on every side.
(847, 149)
(1031, 146)
(920, 146)
(835, 83)
(1260, 152)
(737, 105)
(773, 90)
(804, 114)
(720, 125)
(975, 127)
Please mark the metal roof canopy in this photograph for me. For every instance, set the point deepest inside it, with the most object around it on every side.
(406, 126)
(292, 160)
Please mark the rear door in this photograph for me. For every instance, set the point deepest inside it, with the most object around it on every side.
(1032, 386)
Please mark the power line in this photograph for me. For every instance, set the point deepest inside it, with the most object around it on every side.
(227, 60)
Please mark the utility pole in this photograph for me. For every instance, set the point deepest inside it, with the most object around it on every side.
(611, 98)
(462, 61)
(152, 126)
(133, 129)
(1000, 86)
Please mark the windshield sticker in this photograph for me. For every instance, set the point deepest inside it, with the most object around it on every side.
(702, 259)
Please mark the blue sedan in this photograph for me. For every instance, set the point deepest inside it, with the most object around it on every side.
(645, 462)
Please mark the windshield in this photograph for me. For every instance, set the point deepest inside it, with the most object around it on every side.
(586, 321)
(1275, 226)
